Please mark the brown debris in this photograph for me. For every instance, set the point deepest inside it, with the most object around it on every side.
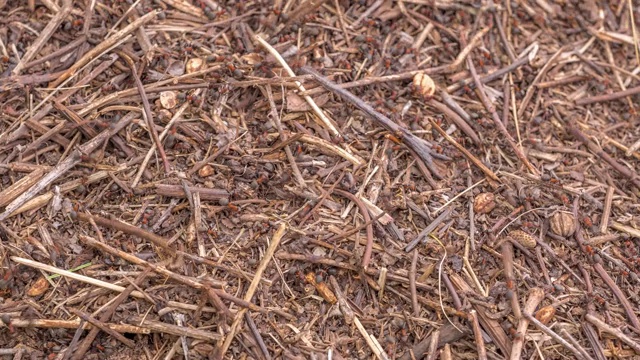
(293, 179)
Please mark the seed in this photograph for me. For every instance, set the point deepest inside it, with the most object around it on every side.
(523, 238)
(484, 203)
(424, 85)
(563, 223)
(545, 314)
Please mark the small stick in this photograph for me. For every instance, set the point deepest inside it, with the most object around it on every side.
(266, 259)
(613, 331)
(609, 97)
(382, 281)
(477, 335)
(256, 334)
(421, 237)
(327, 123)
(446, 334)
(420, 146)
(506, 96)
(432, 352)
(179, 191)
(351, 318)
(366, 257)
(545, 329)
(72, 160)
(161, 327)
(465, 152)
(104, 45)
(147, 111)
(606, 213)
(339, 237)
(592, 336)
(287, 149)
(457, 119)
(536, 295)
(107, 314)
(629, 173)
(17, 188)
(330, 147)
(44, 36)
(346, 310)
(74, 324)
(597, 266)
(412, 284)
(575, 343)
(496, 74)
(491, 109)
(507, 261)
(102, 326)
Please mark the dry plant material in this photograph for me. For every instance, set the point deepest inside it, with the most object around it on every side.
(39, 287)
(321, 288)
(484, 203)
(546, 314)
(562, 223)
(422, 145)
(423, 85)
(523, 238)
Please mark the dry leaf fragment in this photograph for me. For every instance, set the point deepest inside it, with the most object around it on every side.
(39, 287)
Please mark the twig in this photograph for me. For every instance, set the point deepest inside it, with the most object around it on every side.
(351, 318)
(161, 327)
(102, 326)
(415, 143)
(556, 337)
(432, 352)
(329, 147)
(421, 237)
(106, 315)
(457, 119)
(266, 259)
(446, 334)
(287, 149)
(507, 261)
(536, 295)
(74, 324)
(412, 284)
(177, 115)
(327, 123)
(496, 119)
(106, 44)
(613, 331)
(148, 118)
(477, 335)
(606, 212)
(465, 152)
(625, 171)
(491, 326)
(609, 97)
(366, 257)
(45, 34)
(256, 334)
(575, 343)
(72, 160)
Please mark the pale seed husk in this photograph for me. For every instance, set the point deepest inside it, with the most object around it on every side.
(523, 239)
